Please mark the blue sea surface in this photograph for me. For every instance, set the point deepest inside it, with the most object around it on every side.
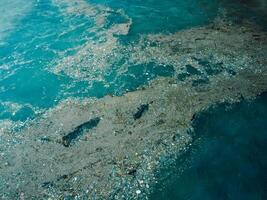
(37, 35)
(154, 16)
(227, 159)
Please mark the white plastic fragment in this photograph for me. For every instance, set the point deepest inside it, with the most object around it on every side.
(138, 191)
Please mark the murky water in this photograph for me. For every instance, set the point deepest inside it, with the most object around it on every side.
(227, 159)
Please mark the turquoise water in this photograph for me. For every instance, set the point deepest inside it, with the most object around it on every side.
(153, 16)
(228, 157)
(53, 50)
(38, 35)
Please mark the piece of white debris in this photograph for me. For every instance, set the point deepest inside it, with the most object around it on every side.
(138, 191)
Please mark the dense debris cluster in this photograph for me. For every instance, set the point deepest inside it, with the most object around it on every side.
(115, 144)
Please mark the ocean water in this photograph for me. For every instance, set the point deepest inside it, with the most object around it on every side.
(39, 38)
(227, 159)
(54, 50)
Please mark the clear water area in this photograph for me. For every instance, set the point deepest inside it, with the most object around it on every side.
(227, 160)
(37, 37)
(153, 16)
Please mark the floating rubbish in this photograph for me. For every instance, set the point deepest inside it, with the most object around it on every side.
(138, 191)
(79, 130)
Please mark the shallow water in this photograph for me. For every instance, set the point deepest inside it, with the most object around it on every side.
(227, 159)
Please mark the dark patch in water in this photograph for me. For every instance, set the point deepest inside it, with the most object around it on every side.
(132, 172)
(192, 70)
(79, 131)
(200, 81)
(47, 184)
(228, 157)
(141, 110)
(210, 68)
(45, 140)
(183, 76)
